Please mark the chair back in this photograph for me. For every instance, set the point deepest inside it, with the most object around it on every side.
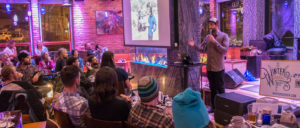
(95, 123)
(51, 124)
(62, 119)
(121, 88)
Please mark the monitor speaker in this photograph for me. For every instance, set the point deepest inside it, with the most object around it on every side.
(233, 78)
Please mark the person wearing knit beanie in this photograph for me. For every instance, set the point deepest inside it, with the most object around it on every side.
(147, 89)
(189, 110)
(147, 114)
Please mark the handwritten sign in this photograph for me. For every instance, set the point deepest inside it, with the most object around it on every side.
(280, 78)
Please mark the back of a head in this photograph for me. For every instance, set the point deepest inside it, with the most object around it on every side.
(107, 59)
(6, 72)
(106, 85)
(61, 51)
(147, 89)
(71, 60)
(90, 58)
(22, 56)
(69, 75)
(189, 110)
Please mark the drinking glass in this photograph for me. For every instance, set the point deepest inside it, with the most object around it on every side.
(251, 114)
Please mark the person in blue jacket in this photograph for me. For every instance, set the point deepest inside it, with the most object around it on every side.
(189, 110)
(152, 24)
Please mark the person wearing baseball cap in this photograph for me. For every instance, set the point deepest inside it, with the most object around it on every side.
(146, 114)
(215, 44)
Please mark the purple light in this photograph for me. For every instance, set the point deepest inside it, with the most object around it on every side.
(286, 4)
(43, 10)
(29, 13)
(26, 18)
(106, 15)
(15, 19)
(234, 12)
(7, 6)
(201, 11)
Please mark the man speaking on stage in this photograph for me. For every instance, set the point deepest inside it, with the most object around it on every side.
(215, 45)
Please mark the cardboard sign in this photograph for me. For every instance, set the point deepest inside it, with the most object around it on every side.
(280, 78)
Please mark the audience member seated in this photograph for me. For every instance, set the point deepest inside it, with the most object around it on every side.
(146, 114)
(75, 54)
(12, 84)
(69, 101)
(108, 60)
(92, 67)
(46, 63)
(31, 73)
(85, 84)
(40, 49)
(32, 60)
(11, 51)
(104, 103)
(62, 58)
(5, 60)
(189, 110)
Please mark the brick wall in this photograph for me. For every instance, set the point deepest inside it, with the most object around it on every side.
(84, 22)
(84, 25)
(213, 8)
(35, 21)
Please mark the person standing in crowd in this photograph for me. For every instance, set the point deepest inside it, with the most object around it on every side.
(76, 54)
(69, 101)
(146, 114)
(31, 73)
(40, 48)
(88, 49)
(108, 60)
(216, 44)
(105, 103)
(46, 63)
(99, 51)
(11, 51)
(61, 62)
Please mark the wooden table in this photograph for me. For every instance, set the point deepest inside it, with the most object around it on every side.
(35, 125)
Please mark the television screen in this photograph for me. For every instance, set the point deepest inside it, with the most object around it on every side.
(146, 22)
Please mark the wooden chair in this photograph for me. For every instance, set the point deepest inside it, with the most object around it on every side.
(51, 124)
(62, 119)
(95, 123)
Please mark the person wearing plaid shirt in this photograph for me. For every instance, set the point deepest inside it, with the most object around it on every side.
(69, 101)
(146, 114)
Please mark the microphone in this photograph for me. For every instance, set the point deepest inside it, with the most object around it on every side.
(210, 31)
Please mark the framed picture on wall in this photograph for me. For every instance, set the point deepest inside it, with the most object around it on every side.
(109, 22)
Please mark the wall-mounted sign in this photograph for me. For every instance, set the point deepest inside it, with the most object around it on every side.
(280, 78)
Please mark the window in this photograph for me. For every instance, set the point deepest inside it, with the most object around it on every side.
(14, 25)
(232, 21)
(55, 25)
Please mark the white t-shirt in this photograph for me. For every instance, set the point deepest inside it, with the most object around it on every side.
(9, 51)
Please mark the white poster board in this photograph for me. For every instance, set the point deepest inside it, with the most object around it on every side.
(280, 78)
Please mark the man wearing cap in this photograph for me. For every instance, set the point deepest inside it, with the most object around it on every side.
(146, 114)
(216, 44)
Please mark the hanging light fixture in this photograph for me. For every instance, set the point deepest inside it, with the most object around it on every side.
(67, 3)
(7, 6)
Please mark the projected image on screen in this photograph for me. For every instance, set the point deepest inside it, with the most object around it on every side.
(144, 20)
